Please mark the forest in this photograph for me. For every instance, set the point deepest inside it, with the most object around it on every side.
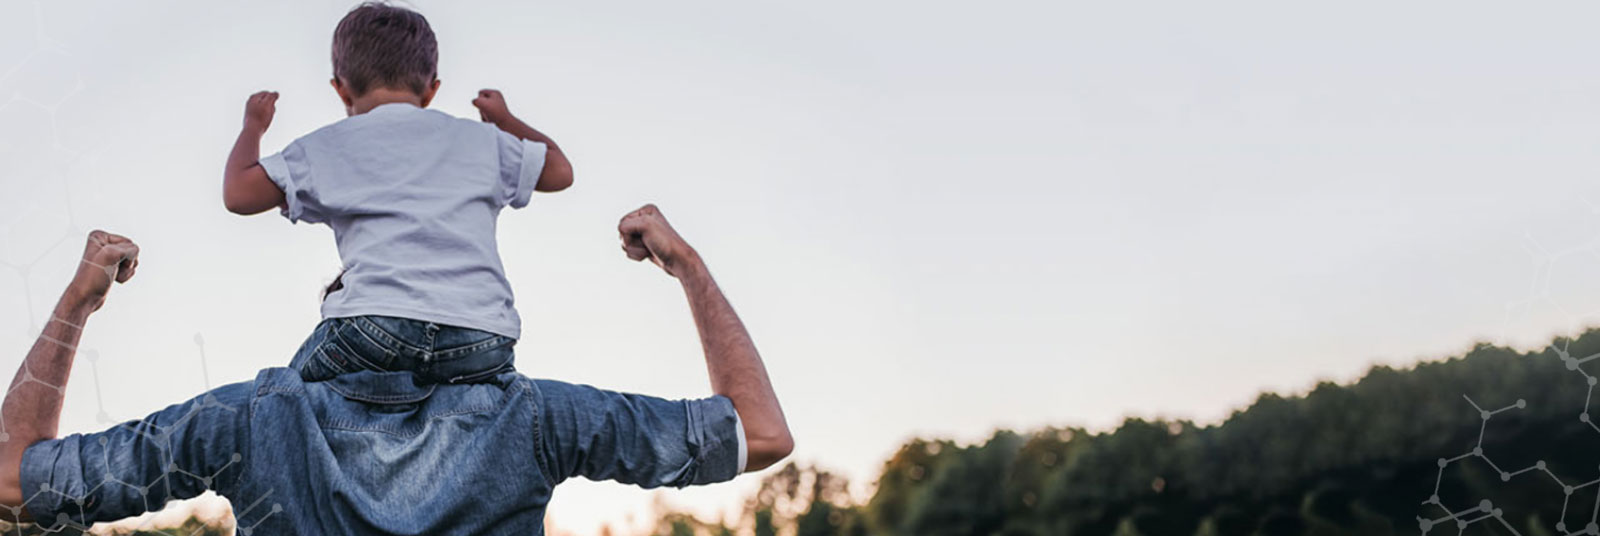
(1494, 441)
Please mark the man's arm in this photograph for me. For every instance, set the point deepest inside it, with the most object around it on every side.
(32, 408)
(557, 173)
(731, 358)
(246, 188)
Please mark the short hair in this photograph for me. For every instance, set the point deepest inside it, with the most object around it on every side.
(380, 45)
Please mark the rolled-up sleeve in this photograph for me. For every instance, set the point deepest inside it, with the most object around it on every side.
(290, 170)
(137, 466)
(636, 439)
(521, 165)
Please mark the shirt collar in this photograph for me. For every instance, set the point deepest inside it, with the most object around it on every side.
(394, 106)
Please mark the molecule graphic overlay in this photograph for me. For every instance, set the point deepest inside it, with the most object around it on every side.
(159, 436)
(1522, 465)
(1535, 441)
(1485, 509)
(41, 170)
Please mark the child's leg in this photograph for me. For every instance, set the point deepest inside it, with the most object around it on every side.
(308, 350)
(477, 362)
(462, 355)
(337, 347)
(437, 353)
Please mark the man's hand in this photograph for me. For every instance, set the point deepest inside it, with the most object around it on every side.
(647, 235)
(259, 109)
(107, 258)
(492, 106)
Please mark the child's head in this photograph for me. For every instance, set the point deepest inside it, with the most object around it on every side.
(379, 46)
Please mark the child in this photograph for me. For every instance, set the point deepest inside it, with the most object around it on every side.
(412, 196)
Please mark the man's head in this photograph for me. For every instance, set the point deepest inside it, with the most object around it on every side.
(380, 47)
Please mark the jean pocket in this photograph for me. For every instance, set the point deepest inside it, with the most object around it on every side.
(326, 361)
(363, 351)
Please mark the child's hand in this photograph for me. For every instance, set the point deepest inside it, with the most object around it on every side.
(259, 109)
(491, 106)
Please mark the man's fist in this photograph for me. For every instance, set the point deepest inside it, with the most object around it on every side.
(491, 106)
(259, 109)
(106, 258)
(647, 235)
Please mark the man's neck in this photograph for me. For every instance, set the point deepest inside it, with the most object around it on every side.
(380, 96)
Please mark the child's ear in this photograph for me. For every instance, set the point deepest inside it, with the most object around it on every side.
(344, 95)
(427, 94)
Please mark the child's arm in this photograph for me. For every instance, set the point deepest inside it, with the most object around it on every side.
(246, 189)
(557, 173)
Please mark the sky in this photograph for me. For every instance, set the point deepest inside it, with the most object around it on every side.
(936, 220)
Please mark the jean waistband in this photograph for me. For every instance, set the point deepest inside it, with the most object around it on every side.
(426, 341)
(435, 353)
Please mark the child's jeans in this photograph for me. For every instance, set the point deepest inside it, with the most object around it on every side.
(435, 353)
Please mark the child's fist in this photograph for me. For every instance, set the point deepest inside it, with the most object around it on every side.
(491, 106)
(258, 110)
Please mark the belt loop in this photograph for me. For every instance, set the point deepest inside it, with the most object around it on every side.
(432, 330)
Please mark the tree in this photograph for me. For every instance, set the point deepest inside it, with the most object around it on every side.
(1359, 458)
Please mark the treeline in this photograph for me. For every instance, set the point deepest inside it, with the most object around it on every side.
(1362, 458)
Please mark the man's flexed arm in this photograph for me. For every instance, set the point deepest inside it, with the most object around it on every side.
(32, 408)
(731, 359)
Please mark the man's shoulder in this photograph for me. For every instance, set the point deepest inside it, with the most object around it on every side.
(277, 380)
(562, 396)
(287, 380)
(557, 387)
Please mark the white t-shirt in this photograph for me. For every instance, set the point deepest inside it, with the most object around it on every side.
(412, 196)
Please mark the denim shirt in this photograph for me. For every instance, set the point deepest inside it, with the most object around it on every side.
(378, 453)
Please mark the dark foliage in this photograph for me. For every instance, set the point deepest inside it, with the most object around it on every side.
(1362, 458)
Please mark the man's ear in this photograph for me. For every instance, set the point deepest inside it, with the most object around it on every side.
(427, 94)
(344, 95)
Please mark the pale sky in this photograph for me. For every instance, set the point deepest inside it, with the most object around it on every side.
(936, 219)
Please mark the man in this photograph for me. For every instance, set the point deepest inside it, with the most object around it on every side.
(384, 452)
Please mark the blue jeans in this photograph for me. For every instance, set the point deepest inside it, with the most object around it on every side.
(433, 352)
